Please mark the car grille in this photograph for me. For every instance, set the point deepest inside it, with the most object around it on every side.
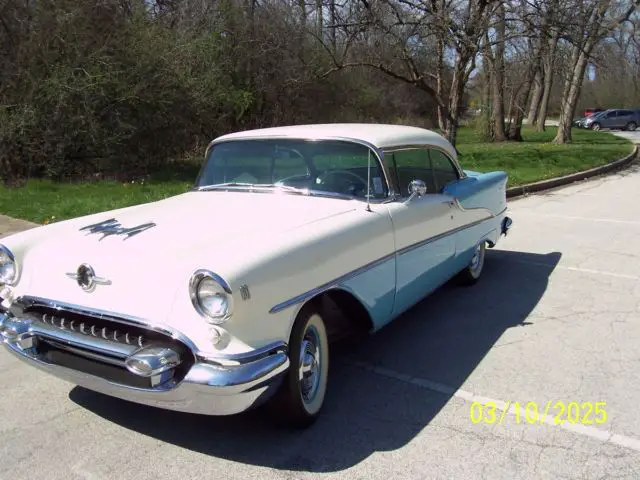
(100, 346)
(89, 327)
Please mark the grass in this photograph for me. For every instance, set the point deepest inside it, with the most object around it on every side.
(44, 201)
(537, 158)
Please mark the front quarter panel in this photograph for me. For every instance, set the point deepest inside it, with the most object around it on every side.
(281, 273)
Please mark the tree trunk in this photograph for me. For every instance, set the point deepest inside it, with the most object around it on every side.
(497, 77)
(332, 12)
(456, 95)
(549, 62)
(520, 104)
(532, 117)
(303, 13)
(319, 19)
(572, 91)
(440, 80)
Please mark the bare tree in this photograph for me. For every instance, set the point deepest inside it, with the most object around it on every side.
(408, 31)
(595, 20)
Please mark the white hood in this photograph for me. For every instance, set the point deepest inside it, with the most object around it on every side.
(186, 227)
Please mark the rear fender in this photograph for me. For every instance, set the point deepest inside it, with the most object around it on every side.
(480, 190)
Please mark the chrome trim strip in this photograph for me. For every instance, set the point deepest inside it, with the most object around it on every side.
(334, 283)
(252, 356)
(303, 192)
(327, 286)
(440, 236)
(377, 152)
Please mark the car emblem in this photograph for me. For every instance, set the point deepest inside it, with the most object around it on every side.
(86, 278)
(113, 227)
(244, 292)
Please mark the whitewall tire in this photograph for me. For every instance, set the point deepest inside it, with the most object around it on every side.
(471, 274)
(301, 395)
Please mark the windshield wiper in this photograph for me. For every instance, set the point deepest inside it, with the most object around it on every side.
(250, 185)
(222, 185)
(288, 188)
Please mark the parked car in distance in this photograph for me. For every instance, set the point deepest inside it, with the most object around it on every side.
(222, 298)
(624, 119)
(579, 122)
(590, 111)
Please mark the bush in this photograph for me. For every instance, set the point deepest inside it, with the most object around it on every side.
(93, 89)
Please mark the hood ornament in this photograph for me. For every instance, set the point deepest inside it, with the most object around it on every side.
(113, 227)
(86, 278)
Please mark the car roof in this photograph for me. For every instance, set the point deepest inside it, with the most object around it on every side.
(379, 135)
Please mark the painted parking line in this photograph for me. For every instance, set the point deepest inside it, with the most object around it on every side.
(573, 217)
(604, 436)
(575, 269)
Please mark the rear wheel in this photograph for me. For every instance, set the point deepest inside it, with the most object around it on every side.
(631, 126)
(471, 274)
(301, 396)
(596, 127)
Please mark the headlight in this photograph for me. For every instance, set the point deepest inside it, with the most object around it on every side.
(8, 267)
(211, 296)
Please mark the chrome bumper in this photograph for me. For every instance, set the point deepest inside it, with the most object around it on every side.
(209, 387)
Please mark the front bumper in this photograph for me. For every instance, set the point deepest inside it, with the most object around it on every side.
(211, 386)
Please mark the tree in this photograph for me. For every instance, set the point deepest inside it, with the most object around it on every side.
(406, 32)
(594, 20)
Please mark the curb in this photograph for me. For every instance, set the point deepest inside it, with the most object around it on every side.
(573, 177)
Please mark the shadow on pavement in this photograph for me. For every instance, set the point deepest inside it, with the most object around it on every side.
(442, 339)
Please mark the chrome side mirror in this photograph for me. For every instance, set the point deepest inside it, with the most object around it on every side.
(417, 188)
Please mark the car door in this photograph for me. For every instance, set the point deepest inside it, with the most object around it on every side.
(608, 120)
(423, 228)
(623, 118)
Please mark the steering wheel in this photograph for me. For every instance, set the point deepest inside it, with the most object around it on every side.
(323, 176)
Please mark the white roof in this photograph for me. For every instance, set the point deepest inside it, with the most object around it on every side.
(379, 135)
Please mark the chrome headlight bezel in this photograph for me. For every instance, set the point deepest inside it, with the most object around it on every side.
(225, 290)
(16, 270)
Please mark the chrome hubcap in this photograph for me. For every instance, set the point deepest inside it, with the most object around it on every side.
(476, 261)
(310, 365)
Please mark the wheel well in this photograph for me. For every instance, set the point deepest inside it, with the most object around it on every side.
(343, 313)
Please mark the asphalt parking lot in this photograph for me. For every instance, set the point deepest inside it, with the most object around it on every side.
(632, 136)
(555, 318)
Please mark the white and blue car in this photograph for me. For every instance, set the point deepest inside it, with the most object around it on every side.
(225, 297)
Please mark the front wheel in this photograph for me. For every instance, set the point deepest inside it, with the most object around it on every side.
(596, 127)
(472, 272)
(301, 396)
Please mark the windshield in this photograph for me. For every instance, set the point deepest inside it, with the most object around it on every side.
(324, 166)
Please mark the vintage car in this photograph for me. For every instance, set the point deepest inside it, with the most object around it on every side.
(219, 299)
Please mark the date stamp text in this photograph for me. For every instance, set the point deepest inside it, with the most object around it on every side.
(553, 412)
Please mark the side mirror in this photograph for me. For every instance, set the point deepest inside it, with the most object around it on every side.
(417, 188)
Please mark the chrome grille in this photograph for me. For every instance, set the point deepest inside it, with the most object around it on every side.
(86, 327)
(102, 346)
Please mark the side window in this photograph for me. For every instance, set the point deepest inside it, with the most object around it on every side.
(443, 169)
(411, 165)
(344, 167)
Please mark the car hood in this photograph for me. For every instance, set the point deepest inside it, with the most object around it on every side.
(188, 228)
